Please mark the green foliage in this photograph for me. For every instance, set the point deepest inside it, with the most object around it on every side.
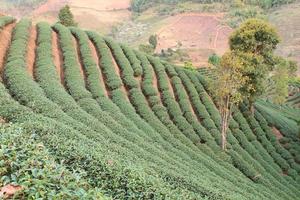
(4, 20)
(189, 66)
(23, 4)
(172, 55)
(146, 48)
(238, 15)
(27, 163)
(281, 79)
(153, 41)
(139, 5)
(254, 42)
(214, 59)
(137, 127)
(255, 36)
(244, 8)
(268, 3)
(66, 17)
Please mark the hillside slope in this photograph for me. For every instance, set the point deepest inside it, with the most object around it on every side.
(138, 127)
(286, 19)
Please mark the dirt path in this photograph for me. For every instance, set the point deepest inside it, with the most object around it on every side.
(155, 85)
(217, 36)
(5, 38)
(78, 58)
(31, 48)
(171, 88)
(101, 77)
(118, 72)
(57, 57)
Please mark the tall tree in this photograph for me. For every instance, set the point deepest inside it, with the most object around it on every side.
(226, 89)
(66, 17)
(254, 42)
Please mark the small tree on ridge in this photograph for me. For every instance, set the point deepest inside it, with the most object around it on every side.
(66, 17)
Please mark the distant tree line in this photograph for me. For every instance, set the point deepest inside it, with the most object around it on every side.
(141, 5)
(24, 2)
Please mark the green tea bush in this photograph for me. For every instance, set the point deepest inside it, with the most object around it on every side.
(4, 20)
(26, 163)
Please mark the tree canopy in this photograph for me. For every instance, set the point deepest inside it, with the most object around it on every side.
(66, 17)
(254, 43)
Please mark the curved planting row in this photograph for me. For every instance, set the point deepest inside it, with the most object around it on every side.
(15, 75)
(294, 96)
(135, 95)
(240, 138)
(81, 35)
(122, 65)
(136, 127)
(6, 26)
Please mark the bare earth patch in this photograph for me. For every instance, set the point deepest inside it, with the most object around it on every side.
(57, 56)
(78, 58)
(171, 89)
(9, 190)
(99, 15)
(203, 31)
(49, 6)
(286, 19)
(31, 50)
(2, 120)
(5, 38)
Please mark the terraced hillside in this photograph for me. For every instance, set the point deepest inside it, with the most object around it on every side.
(139, 128)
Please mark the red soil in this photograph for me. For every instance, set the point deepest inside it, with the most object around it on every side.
(118, 71)
(171, 89)
(31, 51)
(155, 82)
(277, 133)
(57, 56)
(2, 120)
(101, 5)
(202, 31)
(49, 6)
(5, 38)
(78, 58)
(9, 190)
(102, 80)
(91, 14)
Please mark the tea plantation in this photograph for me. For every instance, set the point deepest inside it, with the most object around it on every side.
(84, 117)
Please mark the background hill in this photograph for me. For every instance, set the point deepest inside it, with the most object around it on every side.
(196, 35)
(134, 126)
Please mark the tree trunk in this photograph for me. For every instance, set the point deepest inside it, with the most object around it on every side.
(251, 106)
(225, 112)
